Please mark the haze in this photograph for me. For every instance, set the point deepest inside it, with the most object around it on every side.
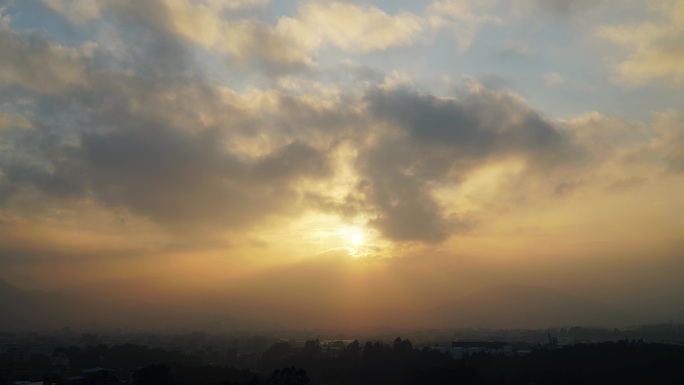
(355, 163)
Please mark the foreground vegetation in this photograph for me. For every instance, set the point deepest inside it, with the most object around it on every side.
(622, 362)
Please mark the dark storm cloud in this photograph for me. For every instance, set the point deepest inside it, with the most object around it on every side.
(439, 140)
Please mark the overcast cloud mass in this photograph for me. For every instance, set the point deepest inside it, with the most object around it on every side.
(344, 155)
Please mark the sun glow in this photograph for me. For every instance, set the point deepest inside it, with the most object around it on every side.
(327, 234)
(357, 238)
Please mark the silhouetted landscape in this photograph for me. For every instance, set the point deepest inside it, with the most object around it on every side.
(566, 356)
(507, 334)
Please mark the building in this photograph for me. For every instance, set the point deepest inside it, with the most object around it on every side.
(94, 376)
(460, 349)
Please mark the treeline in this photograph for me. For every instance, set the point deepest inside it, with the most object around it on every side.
(398, 363)
(623, 362)
(123, 356)
(655, 332)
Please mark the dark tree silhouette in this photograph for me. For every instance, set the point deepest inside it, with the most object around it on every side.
(312, 349)
(277, 352)
(288, 376)
(353, 350)
(153, 375)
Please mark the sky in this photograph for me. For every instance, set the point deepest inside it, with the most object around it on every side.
(346, 153)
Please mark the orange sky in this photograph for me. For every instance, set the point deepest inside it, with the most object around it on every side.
(344, 156)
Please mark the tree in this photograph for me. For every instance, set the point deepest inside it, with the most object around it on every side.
(353, 350)
(153, 375)
(277, 352)
(312, 349)
(288, 376)
(400, 345)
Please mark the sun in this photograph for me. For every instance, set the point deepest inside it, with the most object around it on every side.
(357, 238)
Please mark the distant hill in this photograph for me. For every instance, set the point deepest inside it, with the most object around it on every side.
(23, 309)
(518, 306)
(7, 289)
(10, 299)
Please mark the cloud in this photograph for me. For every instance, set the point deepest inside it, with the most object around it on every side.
(566, 7)
(626, 184)
(515, 48)
(185, 179)
(204, 24)
(634, 151)
(291, 44)
(149, 161)
(565, 188)
(236, 4)
(435, 140)
(172, 150)
(553, 79)
(40, 65)
(654, 49)
(669, 143)
(462, 18)
(483, 123)
(189, 155)
(175, 147)
(351, 27)
(78, 12)
(10, 121)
